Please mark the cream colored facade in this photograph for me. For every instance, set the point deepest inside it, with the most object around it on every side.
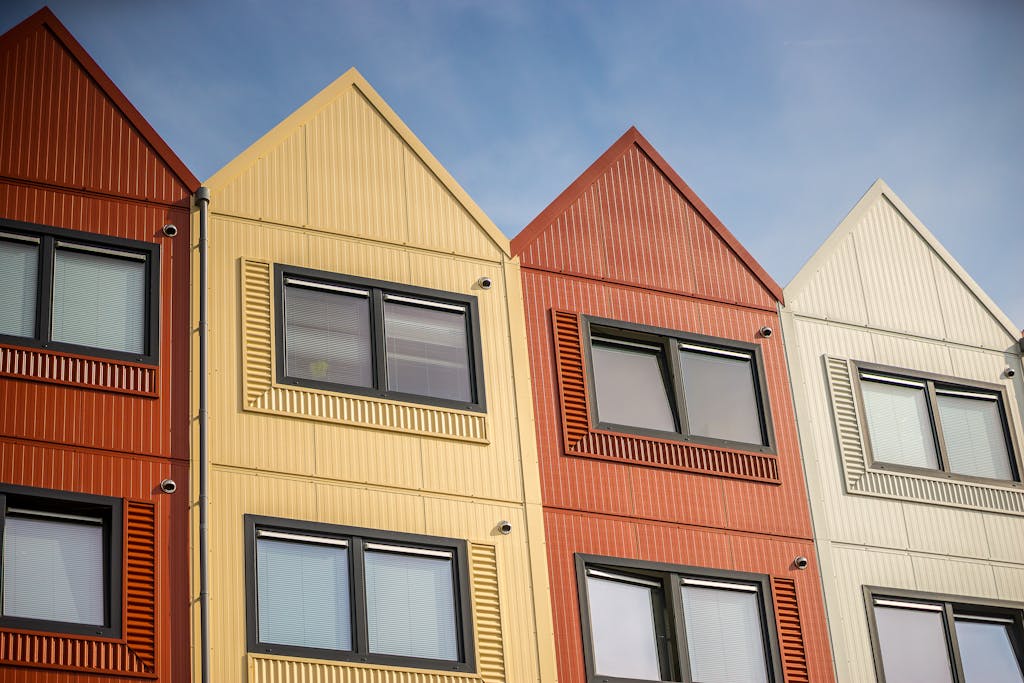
(883, 290)
(342, 185)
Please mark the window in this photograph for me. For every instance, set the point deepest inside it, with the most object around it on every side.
(669, 384)
(920, 422)
(647, 621)
(317, 590)
(61, 561)
(378, 339)
(922, 637)
(80, 293)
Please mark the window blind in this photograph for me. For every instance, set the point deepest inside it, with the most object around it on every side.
(913, 645)
(630, 386)
(327, 336)
(721, 401)
(99, 300)
(53, 570)
(303, 595)
(987, 651)
(410, 605)
(899, 424)
(723, 635)
(623, 628)
(973, 432)
(427, 351)
(19, 279)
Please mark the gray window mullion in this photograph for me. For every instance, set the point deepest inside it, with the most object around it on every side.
(940, 440)
(361, 633)
(44, 302)
(952, 643)
(680, 659)
(377, 337)
(675, 380)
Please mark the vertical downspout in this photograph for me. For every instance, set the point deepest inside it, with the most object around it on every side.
(203, 200)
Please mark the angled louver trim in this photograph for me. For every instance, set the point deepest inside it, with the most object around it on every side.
(791, 636)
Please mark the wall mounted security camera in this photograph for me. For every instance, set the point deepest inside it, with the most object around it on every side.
(485, 282)
(170, 230)
(1010, 372)
(766, 332)
(168, 486)
(801, 562)
(504, 527)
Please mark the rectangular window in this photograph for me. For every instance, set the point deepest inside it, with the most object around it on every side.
(60, 561)
(318, 590)
(653, 622)
(922, 637)
(79, 293)
(670, 384)
(378, 339)
(927, 422)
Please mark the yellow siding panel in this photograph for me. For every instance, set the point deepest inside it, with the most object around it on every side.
(270, 669)
(355, 171)
(282, 181)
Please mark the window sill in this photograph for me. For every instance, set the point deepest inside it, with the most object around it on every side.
(581, 439)
(264, 395)
(85, 372)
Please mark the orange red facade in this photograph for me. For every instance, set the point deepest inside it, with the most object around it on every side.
(629, 241)
(79, 164)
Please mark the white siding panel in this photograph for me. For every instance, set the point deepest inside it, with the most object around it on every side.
(834, 292)
(967, 320)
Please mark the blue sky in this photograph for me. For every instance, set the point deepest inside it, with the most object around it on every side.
(779, 114)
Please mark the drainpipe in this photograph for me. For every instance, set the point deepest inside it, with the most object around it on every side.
(203, 200)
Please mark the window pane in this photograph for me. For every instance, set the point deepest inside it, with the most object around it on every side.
(913, 644)
(631, 387)
(303, 595)
(724, 635)
(410, 605)
(720, 398)
(99, 301)
(899, 424)
(19, 266)
(53, 570)
(427, 351)
(327, 337)
(986, 650)
(623, 627)
(975, 442)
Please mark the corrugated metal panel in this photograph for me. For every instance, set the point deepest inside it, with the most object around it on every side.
(61, 128)
(490, 644)
(833, 290)
(68, 370)
(791, 637)
(268, 669)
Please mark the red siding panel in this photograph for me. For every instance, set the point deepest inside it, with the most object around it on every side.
(630, 241)
(75, 154)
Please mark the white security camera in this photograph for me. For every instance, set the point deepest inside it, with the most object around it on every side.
(170, 230)
(801, 562)
(1010, 372)
(766, 332)
(168, 486)
(505, 527)
(485, 282)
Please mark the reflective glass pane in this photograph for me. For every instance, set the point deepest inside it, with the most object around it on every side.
(327, 336)
(623, 626)
(410, 605)
(631, 387)
(302, 594)
(427, 351)
(986, 650)
(913, 644)
(19, 266)
(721, 401)
(975, 441)
(99, 301)
(724, 635)
(899, 424)
(53, 570)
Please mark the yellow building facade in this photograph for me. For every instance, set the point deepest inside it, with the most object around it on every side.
(374, 503)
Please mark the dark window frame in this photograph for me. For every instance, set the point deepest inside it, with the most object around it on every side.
(111, 511)
(377, 289)
(952, 605)
(675, 646)
(43, 338)
(357, 538)
(669, 341)
(933, 381)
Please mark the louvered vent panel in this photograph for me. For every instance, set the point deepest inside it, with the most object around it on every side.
(90, 373)
(844, 411)
(791, 637)
(487, 613)
(571, 376)
(140, 580)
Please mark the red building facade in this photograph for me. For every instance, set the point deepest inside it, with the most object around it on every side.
(94, 382)
(678, 532)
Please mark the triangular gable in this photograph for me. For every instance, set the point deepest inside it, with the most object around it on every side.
(881, 267)
(345, 162)
(630, 218)
(66, 123)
